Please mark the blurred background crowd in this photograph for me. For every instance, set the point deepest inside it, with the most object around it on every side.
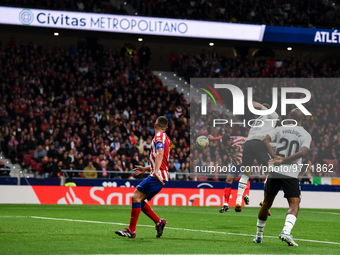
(90, 108)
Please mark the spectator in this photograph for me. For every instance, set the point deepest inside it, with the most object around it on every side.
(183, 173)
(70, 182)
(48, 167)
(115, 145)
(172, 171)
(177, 165)
(124, 161)
(89, 150)
(55, 170)
(12, 148)
(90, 171)
(122, 151)
(4, 170)
(145, 161)
(104, 168)
(66, 160)
(52, 153)
(144, 54)
(134, 150)
(132, 138)
(31, 142)
(117, 168)
(80, 164)
(127, 174)
(22, 149)
(39, 154)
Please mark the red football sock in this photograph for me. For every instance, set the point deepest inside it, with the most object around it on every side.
(135, 211)
(246, 191)
(146, 208)
(227, 191)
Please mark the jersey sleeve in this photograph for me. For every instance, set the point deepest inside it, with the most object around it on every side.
(238, 148)
(274, 115)
(273, 133)
(159, 141)
(306, 141)
(159, 145)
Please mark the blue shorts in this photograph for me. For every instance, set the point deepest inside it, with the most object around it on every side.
(150, 187)
(232, 169)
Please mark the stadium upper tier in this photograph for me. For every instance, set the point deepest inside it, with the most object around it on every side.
(308, 13)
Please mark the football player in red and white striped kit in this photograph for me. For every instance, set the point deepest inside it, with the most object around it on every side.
(149, 187)
(234, 147)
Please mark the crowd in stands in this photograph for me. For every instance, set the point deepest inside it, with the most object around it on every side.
(68, 5)
(215, 64)
(85, 108)
(308, 13)
(93, 109)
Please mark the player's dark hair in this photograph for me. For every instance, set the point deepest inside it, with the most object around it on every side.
(162, 122)
(225, 139)
(266, 105)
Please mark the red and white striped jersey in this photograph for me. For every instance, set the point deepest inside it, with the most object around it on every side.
(236, 149)
(163, 140)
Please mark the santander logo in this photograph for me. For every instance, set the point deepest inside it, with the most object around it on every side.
(70, 198)
(204, 195)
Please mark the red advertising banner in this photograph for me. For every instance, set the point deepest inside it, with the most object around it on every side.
(122, 196)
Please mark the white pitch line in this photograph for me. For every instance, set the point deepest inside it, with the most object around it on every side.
(9, 216)
(325, 212)
(183, 229)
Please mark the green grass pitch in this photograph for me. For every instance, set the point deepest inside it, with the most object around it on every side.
(89, 229)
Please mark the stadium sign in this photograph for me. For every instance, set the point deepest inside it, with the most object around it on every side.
(16, 194)
(130, 24)
(302, 35)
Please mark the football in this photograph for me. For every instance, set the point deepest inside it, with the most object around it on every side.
(202, 142)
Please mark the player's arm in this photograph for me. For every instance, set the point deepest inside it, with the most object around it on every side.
(266, 143)
(257, 105)
(158, 161)
(302, 152)
(272, 145)
(210, 137)
(140, 170)
(278, 161)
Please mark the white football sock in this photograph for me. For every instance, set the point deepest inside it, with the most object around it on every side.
(260, 227)
(242, 185)
(289, 224)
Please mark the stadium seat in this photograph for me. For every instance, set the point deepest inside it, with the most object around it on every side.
(33, 165)
(31, 153)
(40, 169)
(27, 159)
(128, 159)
